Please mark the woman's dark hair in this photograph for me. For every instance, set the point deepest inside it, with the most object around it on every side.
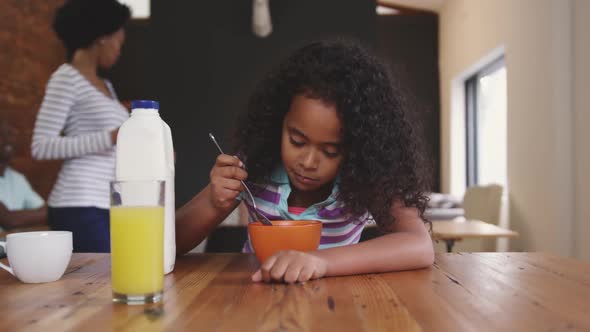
(383, 158)
(78, 23)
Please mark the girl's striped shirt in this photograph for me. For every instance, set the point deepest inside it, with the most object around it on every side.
(338, 227)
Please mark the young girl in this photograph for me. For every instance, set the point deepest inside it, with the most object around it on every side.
(324, 137)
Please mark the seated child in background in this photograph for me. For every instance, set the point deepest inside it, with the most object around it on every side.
(20, 205)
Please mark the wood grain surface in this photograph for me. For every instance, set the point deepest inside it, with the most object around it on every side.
(206, 292)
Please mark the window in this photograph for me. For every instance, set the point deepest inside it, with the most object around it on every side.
(485, 117)
(140, 9)
(383, 10)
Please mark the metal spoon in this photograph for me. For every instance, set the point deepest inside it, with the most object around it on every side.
(263, 219)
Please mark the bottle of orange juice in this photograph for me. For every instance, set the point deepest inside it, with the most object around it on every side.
(145, 152)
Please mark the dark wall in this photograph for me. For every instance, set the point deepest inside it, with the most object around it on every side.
(409, 44)
(201, 61)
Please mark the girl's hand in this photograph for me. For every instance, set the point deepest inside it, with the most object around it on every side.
(225, 181)
(291, 266)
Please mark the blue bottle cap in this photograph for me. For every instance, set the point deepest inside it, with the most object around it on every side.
(145, 104)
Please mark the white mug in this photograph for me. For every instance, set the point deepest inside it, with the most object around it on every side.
(36, 257)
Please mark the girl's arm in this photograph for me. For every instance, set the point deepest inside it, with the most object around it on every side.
(197, 218)
(409, 246)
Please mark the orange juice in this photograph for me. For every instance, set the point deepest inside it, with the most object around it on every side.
(137, 246)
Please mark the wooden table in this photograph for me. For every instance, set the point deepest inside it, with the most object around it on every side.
(206, 292)
(458, 229)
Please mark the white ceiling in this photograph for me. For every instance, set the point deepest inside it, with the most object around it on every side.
(432, 5)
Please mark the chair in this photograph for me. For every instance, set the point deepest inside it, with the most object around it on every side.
(483, 203)
(443, 207)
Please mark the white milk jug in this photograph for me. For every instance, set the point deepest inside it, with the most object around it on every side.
(145, 152)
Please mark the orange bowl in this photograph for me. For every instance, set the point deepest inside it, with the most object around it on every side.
(300, 235)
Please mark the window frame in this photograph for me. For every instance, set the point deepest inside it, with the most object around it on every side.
(471, 113)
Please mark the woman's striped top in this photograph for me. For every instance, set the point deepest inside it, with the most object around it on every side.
(74, 124)
(338, 227)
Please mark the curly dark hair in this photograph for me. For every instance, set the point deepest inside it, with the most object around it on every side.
(383, 158)
(78, 23)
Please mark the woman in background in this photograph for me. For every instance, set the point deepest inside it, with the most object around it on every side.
(79, 119)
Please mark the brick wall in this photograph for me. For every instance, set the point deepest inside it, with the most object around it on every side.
(29, 53)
